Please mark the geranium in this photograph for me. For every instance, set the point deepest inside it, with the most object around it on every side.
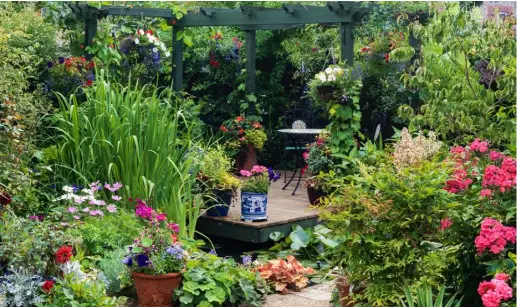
(494, 236)
(63, 254)
(245, 173)
(494, 291)
(445, 223)
(47, 285)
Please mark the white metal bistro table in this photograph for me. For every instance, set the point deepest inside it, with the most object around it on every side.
(297, 136)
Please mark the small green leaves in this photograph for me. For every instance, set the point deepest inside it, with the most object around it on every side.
(147, 242)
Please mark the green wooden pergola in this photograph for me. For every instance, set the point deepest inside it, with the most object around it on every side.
(248, 18)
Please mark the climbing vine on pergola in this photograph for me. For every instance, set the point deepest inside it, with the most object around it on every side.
(248, 18)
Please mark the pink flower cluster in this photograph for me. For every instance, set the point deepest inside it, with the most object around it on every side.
(480, 146)
(494, 291)
(445, 223)
(459, 182)
(148, 213)
(494, 236)
(502, 178)
(255, 170)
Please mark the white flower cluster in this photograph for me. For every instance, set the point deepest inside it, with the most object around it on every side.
(410, 151)
(20, 289)
(330, 74)
(152, 40)
(74, 270)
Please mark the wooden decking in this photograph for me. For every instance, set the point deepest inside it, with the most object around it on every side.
(283, 211)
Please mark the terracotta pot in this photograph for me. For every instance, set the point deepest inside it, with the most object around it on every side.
(344, 291)
(314, 195)
(156, 290)
(325, 92)
(246, 159)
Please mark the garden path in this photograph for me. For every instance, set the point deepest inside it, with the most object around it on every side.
(315, 296)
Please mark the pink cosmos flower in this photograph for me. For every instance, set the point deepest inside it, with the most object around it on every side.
(64, 224)
(116, 186)
(111, 208)
(116, 197)
(445, 223)
(98, 202)
(246, 173)
(76, 217)
(78, 200)
(86, 209)
(96, 212)
(72, 209)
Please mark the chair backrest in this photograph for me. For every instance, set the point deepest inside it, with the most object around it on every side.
(305, 115)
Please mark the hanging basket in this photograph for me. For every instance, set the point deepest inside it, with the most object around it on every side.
(325, 92)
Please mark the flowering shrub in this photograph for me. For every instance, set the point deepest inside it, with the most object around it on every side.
(258, 179)
(243, 131)
(286, 275)
(318, 157)
(144, 55)
(496, 290)
(494, 236)
(156, 250)
(410, 151)
(68, 74)
(90, 201)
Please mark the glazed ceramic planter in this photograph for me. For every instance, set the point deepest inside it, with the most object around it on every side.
(246, 159)
(253, 206)
(156, 290)
(314, 195)
(221, 205)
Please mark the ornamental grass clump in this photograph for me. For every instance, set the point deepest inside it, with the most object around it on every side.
(411, 151)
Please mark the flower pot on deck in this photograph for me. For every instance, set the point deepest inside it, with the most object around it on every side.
(344, 290)
(315, 195)
(221, 205)
(253, 206)
(246, 159)
(156, 290)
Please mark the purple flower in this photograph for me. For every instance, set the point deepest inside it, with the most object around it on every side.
(246, 259)
(86, 209)
(116, 197)
(77, 188)
(96, 212)
(72, 209)
(142, 260)
(111, 208)
(116, 186)
(50, 64)
(61, 60)
(76, 217)
(95, 186)
(33, 218)
(127, 261)
(175, 251)
(272, 175)
(212, 252)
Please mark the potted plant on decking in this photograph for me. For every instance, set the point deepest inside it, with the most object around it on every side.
(254, 192)
(246, 136)
(318, 157)
(156, 259)
(217, 181)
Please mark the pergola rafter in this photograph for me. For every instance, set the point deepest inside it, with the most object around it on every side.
(248, 18)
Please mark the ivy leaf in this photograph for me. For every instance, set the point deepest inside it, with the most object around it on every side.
(216, 295)
(147, 242)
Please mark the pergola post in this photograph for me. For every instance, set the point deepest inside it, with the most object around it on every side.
(251, 54)
(177, 59)
(90, 29)
(347, 42)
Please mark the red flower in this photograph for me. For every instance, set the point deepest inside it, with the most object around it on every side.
(5, 199)
(224, 129)
(149, 32)
(314, 49)
(387, 57)
(239, 119)
(241, 131)
(88, 83)
(82, 46)
(47, 285)
(91, 65)
(64, 254)
(257, 125)
(365, 49)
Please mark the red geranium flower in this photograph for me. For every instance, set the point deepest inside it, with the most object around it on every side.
(239, 119)
(64, 254)
(47, 285)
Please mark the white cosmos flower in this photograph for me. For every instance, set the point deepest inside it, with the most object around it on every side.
(137, 41)
(328, 71)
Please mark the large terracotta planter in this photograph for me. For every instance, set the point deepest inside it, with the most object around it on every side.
(247, 159)
(344, 290)
(314, 195)
(156, 290)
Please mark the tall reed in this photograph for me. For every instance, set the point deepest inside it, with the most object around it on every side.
(136, 136)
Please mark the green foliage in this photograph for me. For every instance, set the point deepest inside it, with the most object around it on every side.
(257, 183)
(461, 102)
(114, 270)
(126, 135)
(213, 281)
(386, 221)
(256, 138)
(424, 298)
(30, 243)
(342, 107)
(216, 170)
(103, 235)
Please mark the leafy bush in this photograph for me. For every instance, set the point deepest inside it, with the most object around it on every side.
(123, 134)
(103, 235)
(213, 281)
(216, 171)
(285, 275)
(114, 270)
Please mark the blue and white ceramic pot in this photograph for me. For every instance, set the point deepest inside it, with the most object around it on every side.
(253, 206)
